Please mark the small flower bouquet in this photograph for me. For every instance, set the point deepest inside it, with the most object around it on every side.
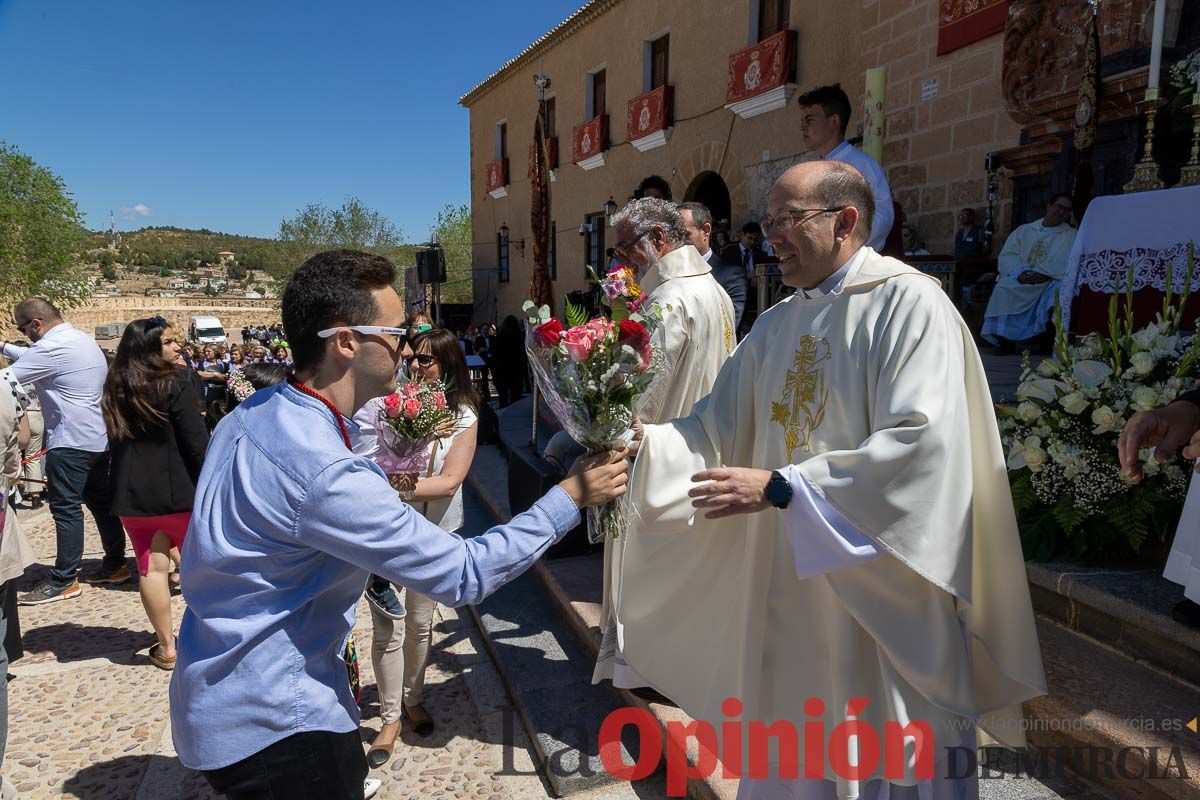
(1070, 494)
(410, 419)
(592, 373)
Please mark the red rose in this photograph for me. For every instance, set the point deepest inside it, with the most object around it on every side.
(635, 335)
(548, 333)
(391, 405)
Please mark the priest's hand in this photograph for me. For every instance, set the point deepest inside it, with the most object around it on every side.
(1165, 429)
(1031, 277)
(595, 480)
(731, 490)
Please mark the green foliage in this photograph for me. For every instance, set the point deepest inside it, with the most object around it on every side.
(108, 272)
(453, 231)
(236, 272)
(316, 227)
(41, 234)
(165, 272)
(106, 259)
(576, 315)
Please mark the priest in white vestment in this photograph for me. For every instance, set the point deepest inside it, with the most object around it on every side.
(879, 559)
(1168, 429)
(691, 345)
(1031, 265)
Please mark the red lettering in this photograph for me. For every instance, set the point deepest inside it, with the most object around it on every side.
(814, 739)
(760, 750)
(894, 755)
(678, 768)
(649, 744)
(866, 741)
(731, 739)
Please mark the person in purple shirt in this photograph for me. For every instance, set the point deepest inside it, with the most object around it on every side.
(287, 524)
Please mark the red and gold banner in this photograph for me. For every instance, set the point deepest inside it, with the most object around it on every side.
(590, 139)
(961, 22)
(551, 155)
(539, 217)
(761, 67)
(497, 174)
(649, 113)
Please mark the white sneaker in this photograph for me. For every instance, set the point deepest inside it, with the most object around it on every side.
(371, 787)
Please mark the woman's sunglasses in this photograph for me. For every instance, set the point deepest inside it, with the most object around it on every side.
(423, 359)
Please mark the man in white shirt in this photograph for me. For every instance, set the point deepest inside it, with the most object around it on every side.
(67, 369)
(825, 116)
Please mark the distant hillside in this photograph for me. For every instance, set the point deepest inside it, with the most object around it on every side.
(179, 248)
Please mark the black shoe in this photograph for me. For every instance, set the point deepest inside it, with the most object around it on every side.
(1187, 613)
(652, 696)
(386, 602)
(47, 592)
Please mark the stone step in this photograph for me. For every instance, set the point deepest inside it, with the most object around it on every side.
(548, 677)
(1127, 609)
(1103, 704)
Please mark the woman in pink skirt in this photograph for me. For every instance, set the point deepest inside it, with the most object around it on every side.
(157, 438)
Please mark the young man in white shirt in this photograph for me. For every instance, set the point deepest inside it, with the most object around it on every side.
(825, 117)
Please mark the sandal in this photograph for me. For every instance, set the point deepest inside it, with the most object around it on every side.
(162, 662)
(422, 722)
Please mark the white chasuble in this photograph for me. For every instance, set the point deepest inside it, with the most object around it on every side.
(1034, 247)
(878, 397)
(692, 344)
(1183, 565)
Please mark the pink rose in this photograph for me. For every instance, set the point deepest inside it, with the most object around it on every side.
(410, 390)
(579, 342)
(599, 328)
(412, 407)
(439, 401)
(391, 406)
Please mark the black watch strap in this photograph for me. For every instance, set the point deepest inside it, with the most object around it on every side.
(779, 490)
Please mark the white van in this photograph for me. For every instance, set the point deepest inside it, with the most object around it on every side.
(206, 330)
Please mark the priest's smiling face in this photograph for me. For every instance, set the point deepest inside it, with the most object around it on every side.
(811, 237)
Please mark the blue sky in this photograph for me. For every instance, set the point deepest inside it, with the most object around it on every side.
(231, 115)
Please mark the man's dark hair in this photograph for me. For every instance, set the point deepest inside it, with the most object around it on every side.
(752, 227)
(653, 182)
(1054, 198)
(330, 289)
(842, 186)
(701, 216)
(41, 308)
(832, 100)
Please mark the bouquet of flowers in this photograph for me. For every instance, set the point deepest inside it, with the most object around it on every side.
(593, 372)
(1061, 437)
(410, 419)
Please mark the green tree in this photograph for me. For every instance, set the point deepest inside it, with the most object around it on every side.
(106, 259)
(354, 225)
(236, 271)
(165, 272)
(453, 231)
(41, 233)
(108, 272)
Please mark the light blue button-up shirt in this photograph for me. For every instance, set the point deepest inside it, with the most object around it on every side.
(67, 369)
(287, 524)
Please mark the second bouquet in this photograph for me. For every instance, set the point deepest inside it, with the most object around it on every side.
(410, 419)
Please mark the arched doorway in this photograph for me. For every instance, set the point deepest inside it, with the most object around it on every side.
(709, 188)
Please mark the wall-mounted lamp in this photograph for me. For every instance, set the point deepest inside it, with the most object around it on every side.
(610, 207)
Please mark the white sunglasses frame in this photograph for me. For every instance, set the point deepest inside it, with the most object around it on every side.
(364, 329)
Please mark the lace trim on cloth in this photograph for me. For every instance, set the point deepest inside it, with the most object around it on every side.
(1106, 271)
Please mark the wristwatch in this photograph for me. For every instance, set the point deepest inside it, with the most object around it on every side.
(779, 490)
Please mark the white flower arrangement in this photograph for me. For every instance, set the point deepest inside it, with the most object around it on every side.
(1061, 435)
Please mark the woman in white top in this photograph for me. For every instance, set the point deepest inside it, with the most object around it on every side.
(400, 647)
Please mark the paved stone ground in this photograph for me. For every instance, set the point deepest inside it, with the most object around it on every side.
(88, 714)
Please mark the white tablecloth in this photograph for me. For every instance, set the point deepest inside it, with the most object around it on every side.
(1147, 229)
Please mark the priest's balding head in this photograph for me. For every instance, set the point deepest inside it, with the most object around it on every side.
(818, 215)
(646, 230)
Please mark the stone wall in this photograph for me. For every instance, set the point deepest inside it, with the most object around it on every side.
(934, 148)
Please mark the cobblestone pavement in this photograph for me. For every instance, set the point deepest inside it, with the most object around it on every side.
(88, 712)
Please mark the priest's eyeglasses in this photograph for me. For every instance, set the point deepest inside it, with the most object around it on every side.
(398, 335)
(787, 218)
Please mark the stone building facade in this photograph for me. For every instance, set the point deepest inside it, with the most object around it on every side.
(957, 91)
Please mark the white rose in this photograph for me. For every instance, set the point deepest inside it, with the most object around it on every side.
(1039, 389)
(1048, 368)
(1144, 339)
(1035, 458)
(1029, 412)
(1106, 420)
(1165, 346)
(1073, 403)
(1143, 363)
(1144, 399)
